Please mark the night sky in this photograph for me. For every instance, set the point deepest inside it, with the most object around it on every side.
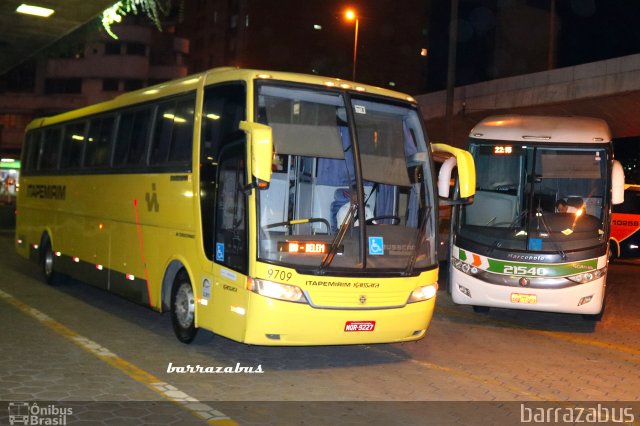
(500, 38)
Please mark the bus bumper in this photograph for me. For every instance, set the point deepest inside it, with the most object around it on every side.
(467, 290)
(269, 322)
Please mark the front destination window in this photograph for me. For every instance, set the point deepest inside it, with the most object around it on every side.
(350, 183)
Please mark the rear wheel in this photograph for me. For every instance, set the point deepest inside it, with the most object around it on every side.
(47, 259)
(183, 309)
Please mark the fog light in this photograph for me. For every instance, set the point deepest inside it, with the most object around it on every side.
(464, 290)
(585, 300)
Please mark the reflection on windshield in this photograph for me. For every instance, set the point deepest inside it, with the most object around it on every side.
(537, 198)
(321, 210)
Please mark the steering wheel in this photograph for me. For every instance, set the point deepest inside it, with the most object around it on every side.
(292, 222)
(395, 220)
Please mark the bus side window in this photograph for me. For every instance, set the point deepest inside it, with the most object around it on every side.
(99, 142)
(131, 140)
(173, 132)
(50, 149)
(72, 145)
(163, 129)
(182, 140)
(123, 138)
(231, 231)
(137, 147)
(32, 148)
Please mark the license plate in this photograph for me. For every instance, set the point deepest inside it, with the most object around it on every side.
(529, 299)
(359, 325)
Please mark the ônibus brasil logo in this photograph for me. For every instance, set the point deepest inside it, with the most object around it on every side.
(25, 413)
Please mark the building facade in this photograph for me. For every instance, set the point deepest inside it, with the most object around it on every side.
(85, 68)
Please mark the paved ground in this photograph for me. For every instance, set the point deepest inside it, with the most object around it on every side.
(73, 346)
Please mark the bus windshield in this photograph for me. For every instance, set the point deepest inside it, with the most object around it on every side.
(537, 198)
(350, 183)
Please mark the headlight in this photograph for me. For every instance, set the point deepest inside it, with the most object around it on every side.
(586, 277)
(290, 293)
(423, 293)
(464, 267)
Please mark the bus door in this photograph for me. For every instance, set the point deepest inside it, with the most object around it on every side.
(230, 242)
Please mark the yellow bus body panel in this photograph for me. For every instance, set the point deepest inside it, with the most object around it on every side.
(142, 225)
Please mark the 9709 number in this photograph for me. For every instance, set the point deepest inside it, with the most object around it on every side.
(279, 274)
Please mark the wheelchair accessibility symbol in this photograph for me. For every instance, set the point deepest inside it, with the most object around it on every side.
(376, 246)
(220, 252)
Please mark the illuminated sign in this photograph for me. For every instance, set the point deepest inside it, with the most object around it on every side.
(303, 247)
(502, 150)
(8, 163)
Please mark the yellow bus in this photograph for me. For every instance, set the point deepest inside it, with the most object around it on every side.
(268, 207)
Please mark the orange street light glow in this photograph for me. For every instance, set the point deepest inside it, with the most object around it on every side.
(350, 15)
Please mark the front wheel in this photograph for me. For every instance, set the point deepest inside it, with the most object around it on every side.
(183, 309)
(481, 309)
(613, 251)
(596, 317)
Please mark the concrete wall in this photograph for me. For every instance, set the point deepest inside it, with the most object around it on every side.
(606, 89)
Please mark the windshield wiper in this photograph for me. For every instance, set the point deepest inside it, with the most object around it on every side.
(419, 236)
(559, 250)
(512, 226)
(335, 244)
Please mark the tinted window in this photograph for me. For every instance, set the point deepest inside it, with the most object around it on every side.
(230, 240)
(224, 108)
(182, 139)
(162, 132)
(173, 132)
(98, 144)
(32, 148)
(631, 203)
(131, 141)
(50, 149)
(72, 145)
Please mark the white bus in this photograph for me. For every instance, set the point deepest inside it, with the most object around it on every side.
(536, 235)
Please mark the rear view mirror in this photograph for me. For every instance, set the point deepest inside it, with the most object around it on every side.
(617, 183)
(261, 147)
(466, 176)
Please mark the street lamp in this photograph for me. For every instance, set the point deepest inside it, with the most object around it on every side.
(350, 15)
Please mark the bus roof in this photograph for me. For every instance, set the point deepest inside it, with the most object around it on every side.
(538, 128)
(215, 75)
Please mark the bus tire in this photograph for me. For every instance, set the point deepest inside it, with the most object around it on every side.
(613, 251)
(183, 308)
(481, 309)
(596, 317)
(47, 261)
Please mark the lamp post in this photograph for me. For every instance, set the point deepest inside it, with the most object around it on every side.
(350, 15)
